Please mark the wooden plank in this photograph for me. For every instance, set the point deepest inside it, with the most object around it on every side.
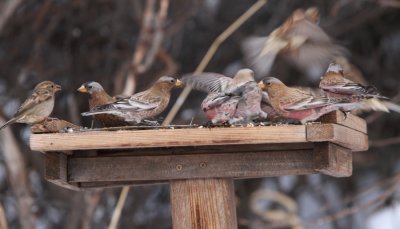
(203, 203)
(333, 160)
(352, 121)
(199, 149)
(171, 167)
(344, 136)
(167, 138)
(56, 169)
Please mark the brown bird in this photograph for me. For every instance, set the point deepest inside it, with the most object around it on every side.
(295, 103)
(299, 40)
(336, 83)
(38, 106)
(141, 106)
(98, 97)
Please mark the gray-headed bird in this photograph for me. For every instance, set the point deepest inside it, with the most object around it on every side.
(141, 106)
(98, 97)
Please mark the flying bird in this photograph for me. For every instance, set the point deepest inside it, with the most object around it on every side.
(141, 106)
(299, 40)
(36, 107)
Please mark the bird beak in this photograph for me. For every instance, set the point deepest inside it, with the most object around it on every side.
(261, 85)
(178, 83)
(57, 88)
(82, 89)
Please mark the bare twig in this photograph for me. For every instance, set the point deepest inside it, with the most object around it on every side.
(3, 220)
(150, 39)
(210, 53)
(18, 177)
(375, 202)
(384, 142)
(7, 11)
(118, 209)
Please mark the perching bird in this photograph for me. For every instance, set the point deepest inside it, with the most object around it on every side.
(299, 40)
(233, 100)
(141, 106)
(220, 107)
(295, 103)
(98, 97)
(38, 106)
(336, 83)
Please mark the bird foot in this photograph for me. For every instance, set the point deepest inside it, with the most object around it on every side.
(344, 114)
(149, 123)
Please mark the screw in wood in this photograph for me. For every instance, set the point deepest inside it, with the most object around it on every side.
(178, 167)
(203, 164)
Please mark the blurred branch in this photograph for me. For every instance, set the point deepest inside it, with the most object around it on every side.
(150, 39)
(7, 11)
(118, 209)
(3, 220)
(393, 182)
(384, 142)
(210, 53)
(152, 30)
(18, 177)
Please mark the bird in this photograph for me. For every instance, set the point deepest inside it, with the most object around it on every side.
(235, 100)
(296, 103)
(36, 107)
(98, 97)
(140, 106)
(336, 83)
(299, 40)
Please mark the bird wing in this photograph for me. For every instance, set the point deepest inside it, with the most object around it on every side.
(207, 81)
(309, 31)
(307, 103)
(37, 97)
(302, 100)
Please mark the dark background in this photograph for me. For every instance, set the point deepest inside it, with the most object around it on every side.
(71, 42)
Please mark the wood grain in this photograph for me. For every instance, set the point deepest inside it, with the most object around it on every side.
(56, 169)
(343, 136)
(333, 160)
(172, 167)
(350, 120)
(203, 203)
(167, 138)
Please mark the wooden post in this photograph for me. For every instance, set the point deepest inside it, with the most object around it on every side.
(203, 203)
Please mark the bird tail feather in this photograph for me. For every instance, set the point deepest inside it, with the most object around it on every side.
(90, 113)
(9, 122)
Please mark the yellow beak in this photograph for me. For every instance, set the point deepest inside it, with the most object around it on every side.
(261, 85)
(82, 89)
(178, 83)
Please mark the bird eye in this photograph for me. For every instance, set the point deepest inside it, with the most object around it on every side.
(172, 81)
(90, 87)
(269, 84)
(52, 86)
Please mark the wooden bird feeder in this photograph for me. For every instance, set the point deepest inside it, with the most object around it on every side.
(200, 163)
